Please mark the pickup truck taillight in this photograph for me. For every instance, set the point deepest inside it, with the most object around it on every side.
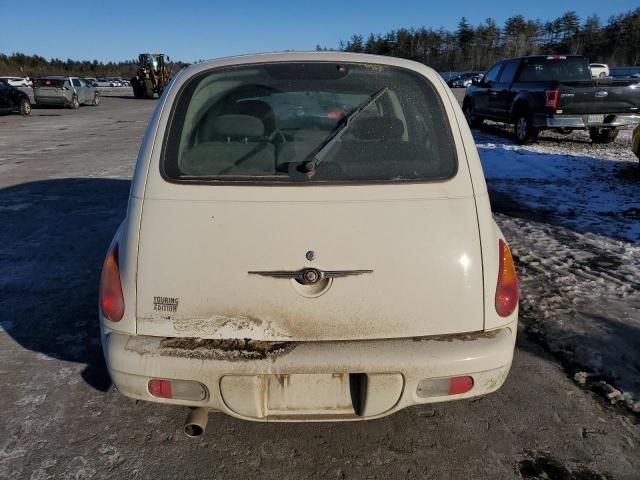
(552, 99)
(507, 288)
(111, 298)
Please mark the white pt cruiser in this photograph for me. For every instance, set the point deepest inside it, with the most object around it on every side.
(308, 238)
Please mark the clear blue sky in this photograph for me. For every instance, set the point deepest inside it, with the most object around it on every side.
(189, 30)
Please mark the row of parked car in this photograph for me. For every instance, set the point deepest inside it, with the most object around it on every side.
(108, 82)
(49, 91)
(96, 82)
(53, 90)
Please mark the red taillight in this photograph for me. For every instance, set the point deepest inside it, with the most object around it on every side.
(160, 388)
(459, 385)
(111, 299)
(552, 98)
(335, 114)
(507, 288)
(439, 387)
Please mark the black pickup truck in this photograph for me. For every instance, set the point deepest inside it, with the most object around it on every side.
(554, 91)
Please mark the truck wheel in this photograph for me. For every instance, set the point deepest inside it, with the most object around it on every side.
(96, 100)
(75, 103)
(524, 131)
(603, 135)
(473, 120)
(25, 107)
(148, 87)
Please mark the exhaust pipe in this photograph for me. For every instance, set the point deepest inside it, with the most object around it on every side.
(196, 422)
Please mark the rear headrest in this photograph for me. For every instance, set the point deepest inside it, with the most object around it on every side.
(259, 109)
(238, 126)
(378, 128)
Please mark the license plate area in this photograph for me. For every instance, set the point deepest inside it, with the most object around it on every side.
(598, 118)
(311, 396)
(304, 394)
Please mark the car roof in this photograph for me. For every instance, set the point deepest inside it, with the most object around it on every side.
(55, 77)
(303, 56)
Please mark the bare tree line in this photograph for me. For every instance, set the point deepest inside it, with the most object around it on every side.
(615, 42)
(19, 64)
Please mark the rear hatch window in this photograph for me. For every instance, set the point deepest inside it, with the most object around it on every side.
(49, 82)
(308, 123)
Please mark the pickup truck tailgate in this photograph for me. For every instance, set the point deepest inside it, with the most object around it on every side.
(599, 96)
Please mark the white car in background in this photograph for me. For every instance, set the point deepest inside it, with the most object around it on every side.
(339, 264)
(599, 70)
(107, 82)
(17, 81)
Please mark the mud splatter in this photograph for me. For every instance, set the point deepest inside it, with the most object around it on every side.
(220, 326)
(459, 337)
(230, 349)
(228, 326)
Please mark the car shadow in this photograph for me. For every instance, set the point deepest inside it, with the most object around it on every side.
(130, 97)
(53, 239)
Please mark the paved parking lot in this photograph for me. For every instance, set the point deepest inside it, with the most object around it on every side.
(64, 179)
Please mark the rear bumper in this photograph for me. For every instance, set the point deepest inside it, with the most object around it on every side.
(583, 121)
(52, 100)
(238, 386)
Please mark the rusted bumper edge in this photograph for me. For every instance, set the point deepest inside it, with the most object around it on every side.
(134, 360)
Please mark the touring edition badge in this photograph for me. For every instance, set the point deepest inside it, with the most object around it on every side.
(165, 304)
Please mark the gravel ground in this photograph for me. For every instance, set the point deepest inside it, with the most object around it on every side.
(63, 189)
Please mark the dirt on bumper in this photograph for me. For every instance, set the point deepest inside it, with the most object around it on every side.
(134, 360)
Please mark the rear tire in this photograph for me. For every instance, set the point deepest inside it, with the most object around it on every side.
(96, 100)
(473, 120)
(524, 131)
(603, 135)
(137, 91)
(25, 107)
(75, 104)
(148, 88)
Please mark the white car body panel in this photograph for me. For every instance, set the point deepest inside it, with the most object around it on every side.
(432, 248)
(17, 81)
(599, 70)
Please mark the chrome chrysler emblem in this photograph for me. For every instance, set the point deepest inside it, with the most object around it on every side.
(309, 276)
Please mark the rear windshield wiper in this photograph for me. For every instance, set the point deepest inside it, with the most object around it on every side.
(337, 133)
